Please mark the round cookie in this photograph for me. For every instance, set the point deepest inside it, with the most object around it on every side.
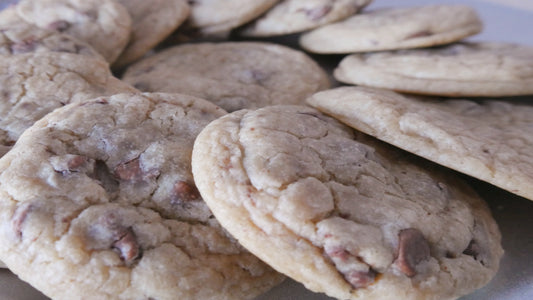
(394, 28)
(34, 84)
(344, 214)
(487, 139)
(233, 75)
(472, 69)
(109, 209)
(292, 16)
(17, 37)
(103, 24)
(152, 22)
(213, 17)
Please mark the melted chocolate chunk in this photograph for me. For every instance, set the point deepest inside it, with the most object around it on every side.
(184, 192)
(357, 279)
(413, 248)
(19, 217)
(127, 246)
(361, 279)
(132, 171)
(71, 163)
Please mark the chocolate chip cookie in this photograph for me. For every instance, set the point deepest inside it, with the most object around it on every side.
(292, 16)
(18, 36)
(103, 24)
(487, 139)
(97, 201)
(473, 69)
(341, 212)
(394, 28)
(233, 75)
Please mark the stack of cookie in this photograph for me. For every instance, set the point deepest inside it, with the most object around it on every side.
(145, 187)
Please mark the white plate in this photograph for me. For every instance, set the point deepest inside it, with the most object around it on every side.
(514, 214)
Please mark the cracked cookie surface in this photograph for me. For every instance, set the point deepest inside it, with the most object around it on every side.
(292, 16)
(341, 212)
(18, 36)
(487, 139)
(109, 208)
(474, 69)
(394, 28)
(34, 84)
(103, 24)
(233, 75)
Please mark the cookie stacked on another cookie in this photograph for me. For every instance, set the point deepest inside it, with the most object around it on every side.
(488, 139)
(341, 212)
(420, 50)
(468, 69)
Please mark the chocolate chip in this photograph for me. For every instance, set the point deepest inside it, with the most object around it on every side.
(127, 246)
(413, 248)
(318, 13)
(75, 162)
(361, 279)
(24, 46)
(71, 163)
(19, 217)
(183, 192)
(357, 279)
(339, 253)
(132, 171)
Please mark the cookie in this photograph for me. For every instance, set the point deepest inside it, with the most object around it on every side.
(394, 28)
(487, 139)
(293, 16)
(109, 209)
(233, 75)
(17, 37)
(341, 212)
(34, 84)
(152, 22)
(103, 24)
(473, 69)
(215, 17)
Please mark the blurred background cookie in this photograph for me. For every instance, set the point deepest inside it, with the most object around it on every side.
(394, 28)
(233, 75)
